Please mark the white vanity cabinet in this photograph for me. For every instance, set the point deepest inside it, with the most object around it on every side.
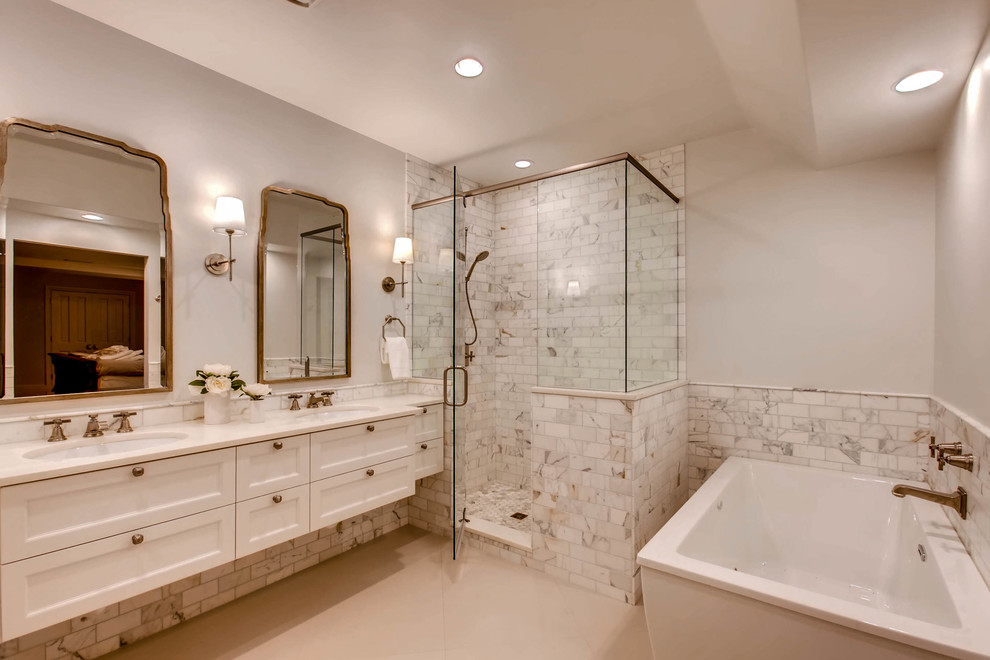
(357, 447)
(358, 468)
(271, 519)
(264, 467)
(73, 544)
(428, 448)
(54, 587)
(48, 515)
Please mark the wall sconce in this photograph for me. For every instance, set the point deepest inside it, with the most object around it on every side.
(228, 218)
(401, 254)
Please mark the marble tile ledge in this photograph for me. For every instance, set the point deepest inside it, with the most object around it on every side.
(635, 395)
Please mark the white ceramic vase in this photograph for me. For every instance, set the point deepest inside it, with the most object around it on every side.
(256, 411)
(216, 408)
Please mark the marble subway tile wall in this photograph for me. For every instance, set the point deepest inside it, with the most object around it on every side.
(516, 331)
(878, 434)
(951, 425)
(660, 460)
(105, 630)
(581, 279)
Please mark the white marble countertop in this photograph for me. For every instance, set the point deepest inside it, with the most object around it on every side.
(17, 466)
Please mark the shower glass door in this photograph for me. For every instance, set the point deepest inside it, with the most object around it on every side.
(456, 375)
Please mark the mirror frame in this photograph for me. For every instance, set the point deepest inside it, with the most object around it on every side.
(166, 307)
(262, 244)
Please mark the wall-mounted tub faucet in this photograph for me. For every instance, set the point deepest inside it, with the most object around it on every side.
(956, 500)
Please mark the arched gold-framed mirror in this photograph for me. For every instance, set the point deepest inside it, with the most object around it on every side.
(86, 254)
(304, 288)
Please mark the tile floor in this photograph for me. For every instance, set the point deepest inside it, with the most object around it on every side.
(401, 597)
(496, 502)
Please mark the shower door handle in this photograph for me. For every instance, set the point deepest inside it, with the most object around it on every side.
(445, 377)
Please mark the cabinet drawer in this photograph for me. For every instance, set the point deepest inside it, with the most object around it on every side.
(356, 447)
(270, 519)
(353, 493)
(429, 423)
(58, 586)
(53, 514)
(266, 467)
(428, 458)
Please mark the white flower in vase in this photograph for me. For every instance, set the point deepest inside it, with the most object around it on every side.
(255, 391)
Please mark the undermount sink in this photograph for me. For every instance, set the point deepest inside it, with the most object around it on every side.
(103, 446)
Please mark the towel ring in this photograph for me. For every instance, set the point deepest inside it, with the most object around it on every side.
(389, 319)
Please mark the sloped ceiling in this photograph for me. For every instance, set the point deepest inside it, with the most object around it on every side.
(567, 81)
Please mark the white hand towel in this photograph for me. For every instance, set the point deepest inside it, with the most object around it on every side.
(398, 357)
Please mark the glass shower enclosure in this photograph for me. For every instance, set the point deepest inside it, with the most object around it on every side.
(574, 286)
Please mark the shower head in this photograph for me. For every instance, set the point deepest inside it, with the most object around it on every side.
(481, 257)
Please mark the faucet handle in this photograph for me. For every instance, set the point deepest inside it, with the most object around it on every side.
(964, 461)
(294, 398)
(57, 433)
(125, 422)
(327, 401)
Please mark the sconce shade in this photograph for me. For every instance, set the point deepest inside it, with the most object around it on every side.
(403, 252)
(229, 216)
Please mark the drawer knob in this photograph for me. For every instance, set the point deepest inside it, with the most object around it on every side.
(278, 444)
(137, 539)
(138, 471)
(426, 410)
(371, 473)
(277, 499)
(423, 446)
(371, 427)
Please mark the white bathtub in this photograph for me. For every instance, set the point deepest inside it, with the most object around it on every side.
(770, 561)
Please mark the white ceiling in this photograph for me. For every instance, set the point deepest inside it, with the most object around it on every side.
(567, 81)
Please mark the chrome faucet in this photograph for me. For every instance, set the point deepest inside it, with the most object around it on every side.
(94, 427)
(58, 435)
(956, 500)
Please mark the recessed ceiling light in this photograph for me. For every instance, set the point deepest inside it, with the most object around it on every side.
(93, 217)
(919, 80)
(469, 67)
(523, 164)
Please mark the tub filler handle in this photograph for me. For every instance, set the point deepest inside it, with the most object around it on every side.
(956, 500)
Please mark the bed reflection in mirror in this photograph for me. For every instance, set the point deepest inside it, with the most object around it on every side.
(84, 224)
(304, 299)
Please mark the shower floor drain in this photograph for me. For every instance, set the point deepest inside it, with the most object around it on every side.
(519, 516)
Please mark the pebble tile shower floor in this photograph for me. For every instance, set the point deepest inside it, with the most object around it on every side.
(497, 502)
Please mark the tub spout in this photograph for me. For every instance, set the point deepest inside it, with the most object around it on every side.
(956, 500)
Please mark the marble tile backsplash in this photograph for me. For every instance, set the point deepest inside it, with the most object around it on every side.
(951, 425)
(856, 432)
